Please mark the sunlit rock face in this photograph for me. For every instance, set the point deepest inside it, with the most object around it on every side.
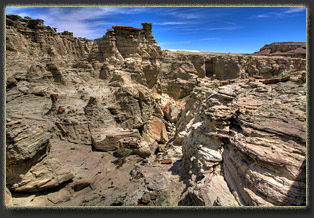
(117, 121)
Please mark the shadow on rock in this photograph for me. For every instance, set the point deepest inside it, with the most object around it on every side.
(296, 196)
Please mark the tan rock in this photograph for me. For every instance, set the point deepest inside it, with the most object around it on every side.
(292, 49)
(116, 138)
(25, 145)
(251, 128)
(8, 198)
(46, 174)
(59, 197)
(156, 130)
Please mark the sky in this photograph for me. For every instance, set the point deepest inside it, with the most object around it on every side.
(206, 29)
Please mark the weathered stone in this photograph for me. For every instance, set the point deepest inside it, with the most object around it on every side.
(276, 80)
(156, 130)
(156, 182)
(11, 82)
(54, 97)
(134, 106)
(8, 198)
(46, 174)
(117, 138)
(244, 132)
(61, 110)
(37, 72)
(292, 49)
(166, 161)
(59, 197)
(24, 142)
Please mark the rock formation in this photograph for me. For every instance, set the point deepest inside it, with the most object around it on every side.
(116, 121)
(291, 49)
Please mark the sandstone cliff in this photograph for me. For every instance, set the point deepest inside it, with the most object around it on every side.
(116, 121)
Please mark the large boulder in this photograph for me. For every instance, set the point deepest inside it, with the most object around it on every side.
(46, 174)
(25, 142)
(133, 106)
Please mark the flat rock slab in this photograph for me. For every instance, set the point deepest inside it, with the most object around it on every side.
(112, 139)
(48, 173)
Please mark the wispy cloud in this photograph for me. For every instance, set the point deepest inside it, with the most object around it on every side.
(186, 14)
(207, 39)
(225, 28)
(292, 11)
(172, 23)
(262, 15)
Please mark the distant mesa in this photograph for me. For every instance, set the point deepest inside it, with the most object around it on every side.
(292, 49)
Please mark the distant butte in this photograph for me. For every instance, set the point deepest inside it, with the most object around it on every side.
(291, 49)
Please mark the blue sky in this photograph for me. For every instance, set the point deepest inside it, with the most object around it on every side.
(211, 29)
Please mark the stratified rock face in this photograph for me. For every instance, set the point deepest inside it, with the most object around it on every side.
(125, 42)
(292, 49)
(257, 142)
(134, 106)
(31, 37)
(136, 42)
(25, 141)
(180, 72)
(26, 146)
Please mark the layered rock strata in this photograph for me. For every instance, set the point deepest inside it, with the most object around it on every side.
(256, 142)
(292, 49)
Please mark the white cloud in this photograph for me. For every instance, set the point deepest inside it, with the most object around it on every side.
(171, 23)
(206, 39)
(294, 10)
(175, 23)
(225, 28)
(185, 15)
(263, 15)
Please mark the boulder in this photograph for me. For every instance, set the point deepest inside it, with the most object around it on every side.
(156, 130)
(156, 182)
(24, 142)
(133, 106)
(110, 140)
(46, 174)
